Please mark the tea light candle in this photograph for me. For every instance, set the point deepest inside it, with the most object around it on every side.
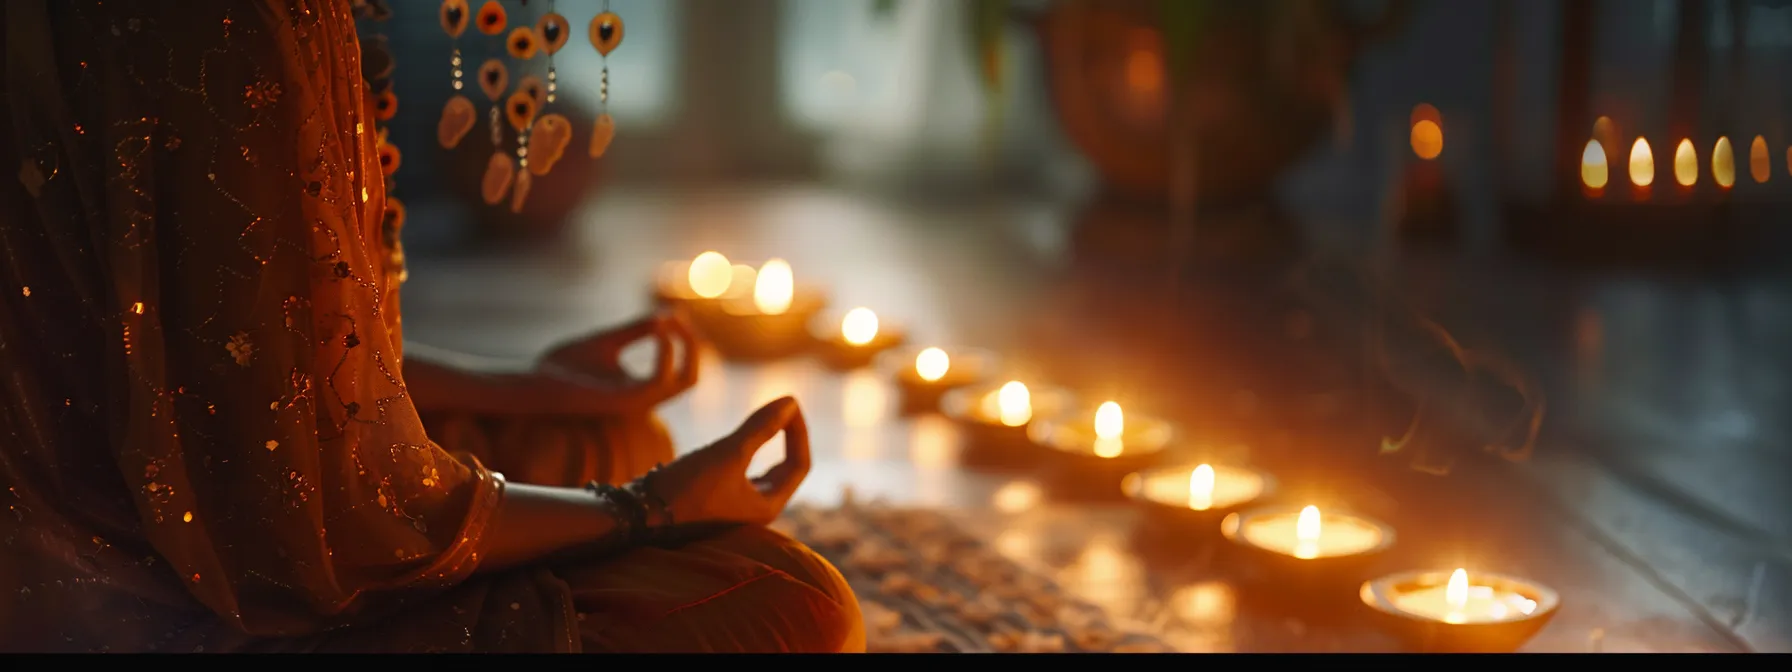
(1307, 546)
(1094, 455)
(924, 376)
(996, 418)
(703, 280)
(856, 341)
(1109, 436)
(1307, 534)
(768, 323)
(1205, 488)
(1462, 610)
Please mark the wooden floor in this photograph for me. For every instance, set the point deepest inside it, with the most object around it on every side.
(1655, 499)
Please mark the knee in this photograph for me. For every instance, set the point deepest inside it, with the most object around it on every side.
(813, 571)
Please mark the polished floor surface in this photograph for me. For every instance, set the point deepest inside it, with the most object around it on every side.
(1654, 497)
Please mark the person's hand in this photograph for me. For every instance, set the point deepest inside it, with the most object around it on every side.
(710, 486)
(586, 375)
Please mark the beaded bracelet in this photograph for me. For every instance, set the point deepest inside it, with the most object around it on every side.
(631, 514)
(658, 512)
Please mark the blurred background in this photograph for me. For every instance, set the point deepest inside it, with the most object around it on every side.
(1404, 241)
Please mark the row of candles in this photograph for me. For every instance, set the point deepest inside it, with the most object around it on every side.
(1595, 171)
(756, 313)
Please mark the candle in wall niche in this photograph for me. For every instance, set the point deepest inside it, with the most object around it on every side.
(1760, 165)
(1686, 164)
(1642, 166)
(1593, 171)
(1723, 163)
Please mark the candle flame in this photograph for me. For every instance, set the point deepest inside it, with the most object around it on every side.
(1110, 425)
(1723, 163)
(774, 287)
(1642, 164)
(1014, 404)
(1686, 164)
(1306, 528)
(1200, 488)
(710, 275)
(1593, 171)
(1456, 593)
(859, 327)
(1759, 165)
(932, 364)
(1110, 422)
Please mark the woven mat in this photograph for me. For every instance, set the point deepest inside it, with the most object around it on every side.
(926, 586)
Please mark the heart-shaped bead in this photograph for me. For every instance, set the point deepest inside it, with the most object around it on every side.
(458, 119)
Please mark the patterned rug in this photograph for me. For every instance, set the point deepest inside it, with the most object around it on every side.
(926, 586)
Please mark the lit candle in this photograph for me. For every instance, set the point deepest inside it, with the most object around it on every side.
(1012, 405)
(1110, 424)
(1760, 165)
(1458, 601)
(1307, 534)
(924, 376)
(1593, 171)
(1686, 164)
(932, 364)
(1461, 611)
(1642, 164)
(774, 288)
(710, 275)
(1111, 435)
(1723, 163)
(857, 340)
(1205, 488)
(859, 326)
(764, 315)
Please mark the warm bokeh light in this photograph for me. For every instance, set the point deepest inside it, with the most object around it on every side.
(1110, 425)
(1456, 593)
(1427, 139)
(1723, 164)
(710, 275)
(1427, 136)
(1686, 164)
(1605, 131)
(1760, 164)
(774, 287)
(1200, 488)
(1017, 497)
(1593, 171)
(859, 326)
(932, 364)
(1145, 69)
(1642, 164)
(1014, 404)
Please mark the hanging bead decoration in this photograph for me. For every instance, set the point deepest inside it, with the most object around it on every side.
(457, 116)
(494, 80)
(606, 34)
(521, 108)
(551, 133)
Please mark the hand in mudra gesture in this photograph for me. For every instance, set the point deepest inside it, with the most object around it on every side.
(711, 486)
(585, 376)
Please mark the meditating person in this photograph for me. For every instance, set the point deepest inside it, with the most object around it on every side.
(210, 436)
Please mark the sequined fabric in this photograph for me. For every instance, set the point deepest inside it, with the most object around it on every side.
(206, 438)
(206, 442)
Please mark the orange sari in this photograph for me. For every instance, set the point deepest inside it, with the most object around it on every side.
(206, 442)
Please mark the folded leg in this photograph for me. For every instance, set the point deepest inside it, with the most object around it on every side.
(750, 590)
